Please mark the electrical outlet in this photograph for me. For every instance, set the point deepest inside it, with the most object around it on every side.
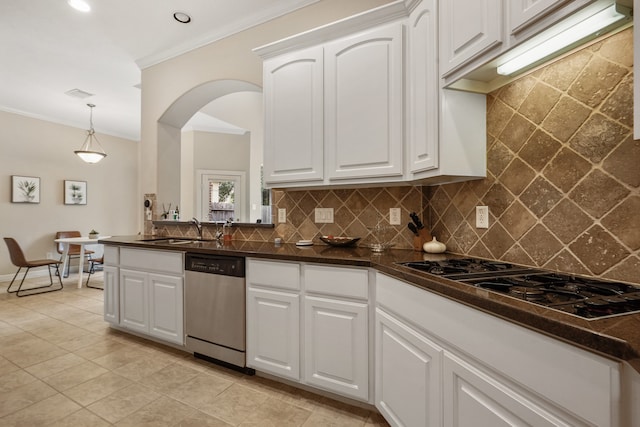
(482, 216)
(323, 216)
(282, 215)
(394, 216)
(50, 255)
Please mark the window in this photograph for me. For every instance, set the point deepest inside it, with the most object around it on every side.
(220, 195)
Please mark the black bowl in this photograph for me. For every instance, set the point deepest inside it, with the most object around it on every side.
(339, 241)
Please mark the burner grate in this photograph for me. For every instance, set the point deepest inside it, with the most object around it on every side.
(583, 297)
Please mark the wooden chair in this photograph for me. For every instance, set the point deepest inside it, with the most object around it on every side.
(18, 259)
(74, 250)
(92, 264)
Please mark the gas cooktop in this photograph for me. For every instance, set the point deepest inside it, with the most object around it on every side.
(586, 298)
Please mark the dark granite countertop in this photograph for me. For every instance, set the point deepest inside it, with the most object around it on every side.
(617, 337)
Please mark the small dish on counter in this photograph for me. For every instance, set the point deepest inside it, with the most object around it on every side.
(339, 241)
(304, 243)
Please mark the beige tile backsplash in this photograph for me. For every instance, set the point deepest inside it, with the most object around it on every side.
(563, 173)
(562, 183)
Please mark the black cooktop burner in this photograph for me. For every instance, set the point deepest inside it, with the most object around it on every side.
(464, 266)
(587, 298)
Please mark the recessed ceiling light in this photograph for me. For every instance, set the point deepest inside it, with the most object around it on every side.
(182, 17)
(80, 5)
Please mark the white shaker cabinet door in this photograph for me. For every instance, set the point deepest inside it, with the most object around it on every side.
(111, 294)
(524, 13)
(423, 80)
(273, 332)
(337, 346)
(166, 308)
(473, 398)
(364, 104)
(468, 28)
(408, 374)
(134, 300)
(293, 96)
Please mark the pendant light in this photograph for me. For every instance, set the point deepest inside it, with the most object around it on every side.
(91, 152)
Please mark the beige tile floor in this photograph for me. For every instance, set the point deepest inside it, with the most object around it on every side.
(61, 365)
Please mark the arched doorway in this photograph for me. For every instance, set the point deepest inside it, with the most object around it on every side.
(177, 181)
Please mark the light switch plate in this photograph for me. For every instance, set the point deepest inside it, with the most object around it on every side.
(282, 215)
(323, 216)
(482, 216)
(394, 216)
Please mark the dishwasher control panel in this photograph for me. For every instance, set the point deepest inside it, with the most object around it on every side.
(215, 264)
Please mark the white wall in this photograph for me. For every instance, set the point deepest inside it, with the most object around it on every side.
(211, 151)
(33, 147)
(245, 110)
(229, 58)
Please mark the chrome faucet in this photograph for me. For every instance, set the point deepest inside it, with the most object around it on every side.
(218, 232)
(198, 225)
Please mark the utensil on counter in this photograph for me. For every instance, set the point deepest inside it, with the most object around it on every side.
(422, 235)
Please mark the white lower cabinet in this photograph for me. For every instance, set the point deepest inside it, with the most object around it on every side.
(111, 294)
(310, 323)
(144, 292)
(152, 304)
(273, 332)
(408, 371)
(439, 362)
(336, 345)
(166, 308)
(134, 300)
(473, 398)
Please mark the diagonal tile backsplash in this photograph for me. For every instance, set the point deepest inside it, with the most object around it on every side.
(563, 181)
(356, 211)
(562, 186)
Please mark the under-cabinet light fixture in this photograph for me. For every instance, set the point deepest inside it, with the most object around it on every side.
(576, 29)
(91, 152)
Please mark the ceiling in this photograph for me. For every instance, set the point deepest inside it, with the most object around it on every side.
(48, 49)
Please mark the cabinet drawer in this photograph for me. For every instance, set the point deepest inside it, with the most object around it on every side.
(156, 261)
(284, 275)
(338, 281)
(111, 255)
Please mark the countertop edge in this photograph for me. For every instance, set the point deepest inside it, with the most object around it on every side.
(608, 337)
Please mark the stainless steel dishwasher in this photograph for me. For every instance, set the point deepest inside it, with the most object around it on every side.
(215, 308)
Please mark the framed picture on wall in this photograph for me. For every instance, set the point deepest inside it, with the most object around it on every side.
(25, 189)
(75, 192)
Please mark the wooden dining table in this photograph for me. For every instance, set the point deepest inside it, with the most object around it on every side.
(82, 242)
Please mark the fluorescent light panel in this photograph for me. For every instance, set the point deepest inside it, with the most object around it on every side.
(569, 36)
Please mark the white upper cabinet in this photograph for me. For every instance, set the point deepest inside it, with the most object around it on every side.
(293, 86)
(523, 13)
(384, 116)
(468, 28)
(423, 82)
(473, 33)
(363, 104)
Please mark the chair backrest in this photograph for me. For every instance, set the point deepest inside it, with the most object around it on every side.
(15, 252)
(64, 235)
